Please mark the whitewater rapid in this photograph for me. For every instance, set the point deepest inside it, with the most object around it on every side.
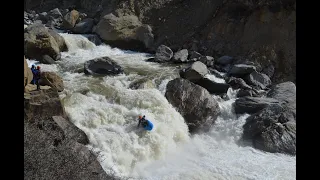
(106, 109)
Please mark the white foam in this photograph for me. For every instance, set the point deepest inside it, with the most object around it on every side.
(111, 126)
(212, 77)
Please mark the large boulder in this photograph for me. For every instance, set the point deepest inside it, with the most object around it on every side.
(83, 27)
(38, 42)
(59, 39)
(163, 54)
(46, 60)
(195, 72)
(213, 87)
(252, 104)
(102, 66)
(27, 73)
(240, 70)
(193, 102)
(125, 32)
(70, 19)
(51, 79)
(260, 80)
(272, 129)
(180, 56)
(45, 104)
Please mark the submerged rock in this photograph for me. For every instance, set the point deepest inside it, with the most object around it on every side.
(102, 66)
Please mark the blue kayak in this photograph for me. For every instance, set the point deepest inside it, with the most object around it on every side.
(149, 126)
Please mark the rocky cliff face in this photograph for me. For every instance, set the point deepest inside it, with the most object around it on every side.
(261, 31)
(54, 148)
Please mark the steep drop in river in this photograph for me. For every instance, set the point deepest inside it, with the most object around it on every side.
(106, 109)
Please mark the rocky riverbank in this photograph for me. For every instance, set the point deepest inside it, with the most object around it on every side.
(54, 148)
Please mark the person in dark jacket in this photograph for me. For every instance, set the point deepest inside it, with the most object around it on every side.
(33, 68)
(37, 77)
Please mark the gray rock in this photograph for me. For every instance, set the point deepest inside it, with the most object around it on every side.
(47, 60)
(38, 42)
(102, 66)
(125, 31)
(272, 130)
(163, 54)
(240, 70)
(53, 80)
(70, 130)
(48, 155)
(207, 60)
(252, 104)
(59, 39)
(83, 27)
(70, 19)
(180, 56)
(194, 103)
(224, 60)
(195, 72)
(213, 87)
(260, 80)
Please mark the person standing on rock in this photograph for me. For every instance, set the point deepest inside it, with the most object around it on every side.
(146, 124)
(37, 76)
(33, 68)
